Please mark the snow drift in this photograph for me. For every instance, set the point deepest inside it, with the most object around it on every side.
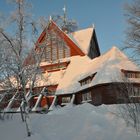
(82, 122)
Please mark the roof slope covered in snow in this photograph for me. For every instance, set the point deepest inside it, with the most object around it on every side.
(73, 71)
(82, 38)
(107, 68)
(44, 79)
(49, 78)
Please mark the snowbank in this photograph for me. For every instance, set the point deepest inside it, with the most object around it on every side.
(82, 122)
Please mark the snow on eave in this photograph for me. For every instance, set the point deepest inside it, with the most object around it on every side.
(115, 56)
(49, 79)
(62, 60)
(107, 68)
(82, 38)
(110, 66)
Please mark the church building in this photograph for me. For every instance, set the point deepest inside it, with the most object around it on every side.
(73, 71)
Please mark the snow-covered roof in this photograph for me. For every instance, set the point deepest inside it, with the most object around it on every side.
(76, 67)
(82, 38)
(44, 79)
(107, 66)
(54, 78)
(49, 78)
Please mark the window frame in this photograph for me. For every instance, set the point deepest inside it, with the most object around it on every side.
(87, 96)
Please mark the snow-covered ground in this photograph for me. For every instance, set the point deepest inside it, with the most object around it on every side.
(82, 122)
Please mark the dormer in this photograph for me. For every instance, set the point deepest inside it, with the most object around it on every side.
(131, 74)
(87, 80)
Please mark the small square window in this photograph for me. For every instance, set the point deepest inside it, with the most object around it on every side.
(86, 96)
(66, 99)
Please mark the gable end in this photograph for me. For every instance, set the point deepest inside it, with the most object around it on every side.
(94, 50)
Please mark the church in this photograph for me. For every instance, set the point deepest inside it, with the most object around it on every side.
(73, 71)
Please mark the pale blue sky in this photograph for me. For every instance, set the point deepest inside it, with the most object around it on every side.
(106, 15)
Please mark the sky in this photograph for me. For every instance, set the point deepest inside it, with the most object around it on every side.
(106, 15)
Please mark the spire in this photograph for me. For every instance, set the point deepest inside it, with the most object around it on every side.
(65, 17)
(64, 8)
(93, 26)
(50, 18)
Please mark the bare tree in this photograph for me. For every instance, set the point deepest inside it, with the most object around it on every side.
(132, 14)
(15, 73)
(130, 91)
(128, 95)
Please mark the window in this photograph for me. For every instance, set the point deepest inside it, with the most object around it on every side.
(87, 96)
(55, 49)
(135, 92)
(66, 99)
(87, 80)
(63, 50)
(131, 74)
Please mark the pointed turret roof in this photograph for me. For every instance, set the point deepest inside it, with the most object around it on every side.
(83, 38)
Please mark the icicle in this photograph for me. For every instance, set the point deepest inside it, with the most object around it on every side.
(50, 18)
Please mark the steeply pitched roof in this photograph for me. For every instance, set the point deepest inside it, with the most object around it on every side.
(53, 26)
(83, 38)
(107, 68)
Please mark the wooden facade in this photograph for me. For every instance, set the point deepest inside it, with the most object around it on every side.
(110, 93)
(94, 50)
(56, 45)
(107, 93)
(55, 67)
(61, 42)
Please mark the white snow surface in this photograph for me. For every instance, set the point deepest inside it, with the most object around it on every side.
(76, 67)
(82, 122)
(108, 67)
(82, 38)
(49, 78)
(45, 79)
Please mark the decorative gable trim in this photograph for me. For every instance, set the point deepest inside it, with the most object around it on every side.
(75, 50)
